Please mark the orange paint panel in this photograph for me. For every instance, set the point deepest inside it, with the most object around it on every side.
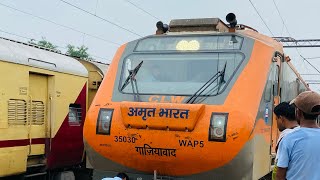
(261, 128)
(162, 116)
(103, 96)
(248, 89)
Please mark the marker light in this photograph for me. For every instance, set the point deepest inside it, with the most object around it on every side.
(104, 121)
(218, 127)
(184, 45)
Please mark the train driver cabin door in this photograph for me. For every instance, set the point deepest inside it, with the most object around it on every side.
(37, 110)
(276, 100)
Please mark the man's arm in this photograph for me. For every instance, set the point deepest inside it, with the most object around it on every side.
(283, 159)
(281, 173)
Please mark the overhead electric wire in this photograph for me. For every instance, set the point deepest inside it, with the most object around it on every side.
(95, 11)
(142, 9)
(44, 47)
(310, 64)
(313, 58)
(261, 17)
(28, 39)
(287, 29)
(73, 29)
(15, 34)
(101, 18)
(281, 18)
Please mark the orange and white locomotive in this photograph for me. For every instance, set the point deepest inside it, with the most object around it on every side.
(194, 101)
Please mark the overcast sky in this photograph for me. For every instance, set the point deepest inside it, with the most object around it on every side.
(300, 17)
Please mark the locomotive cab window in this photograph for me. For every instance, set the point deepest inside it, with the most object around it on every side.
(179, 74)
(74, 115)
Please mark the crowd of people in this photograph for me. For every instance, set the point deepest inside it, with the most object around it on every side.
(298, 146)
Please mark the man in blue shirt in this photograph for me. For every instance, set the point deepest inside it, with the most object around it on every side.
(120, 176)
(299, 151)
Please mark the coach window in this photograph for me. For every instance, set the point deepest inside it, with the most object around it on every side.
(74, 115)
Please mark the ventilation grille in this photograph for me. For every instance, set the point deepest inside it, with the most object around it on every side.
(17, 112)
(37, 112)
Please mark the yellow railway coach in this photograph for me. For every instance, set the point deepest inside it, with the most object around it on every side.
(44, 97)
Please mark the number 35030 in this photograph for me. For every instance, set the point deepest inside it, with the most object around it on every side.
(125, 139)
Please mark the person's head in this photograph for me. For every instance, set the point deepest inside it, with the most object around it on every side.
(307, 105)
(123, 176)
(285, 113)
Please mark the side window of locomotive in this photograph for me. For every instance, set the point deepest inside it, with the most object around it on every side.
(289, 85)
(276, 81)
(268, 88)
(74, 117)
(301, 86)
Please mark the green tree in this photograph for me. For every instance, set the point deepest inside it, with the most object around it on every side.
(44, 43)
(80, 52)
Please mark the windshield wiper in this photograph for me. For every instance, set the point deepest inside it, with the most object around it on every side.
(222, 77)
(216, 87)
(220, 74)
(131, 79)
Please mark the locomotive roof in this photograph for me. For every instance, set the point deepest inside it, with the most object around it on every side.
(22, 53)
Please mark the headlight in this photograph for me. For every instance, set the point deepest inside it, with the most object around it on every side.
(104, 121)
(218, 127)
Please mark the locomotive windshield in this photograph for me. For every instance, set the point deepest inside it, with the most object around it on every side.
(177, 73)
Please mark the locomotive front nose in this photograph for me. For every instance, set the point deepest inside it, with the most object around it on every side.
(170, 139)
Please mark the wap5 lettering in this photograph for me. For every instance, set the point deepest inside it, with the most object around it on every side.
(191, 143)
